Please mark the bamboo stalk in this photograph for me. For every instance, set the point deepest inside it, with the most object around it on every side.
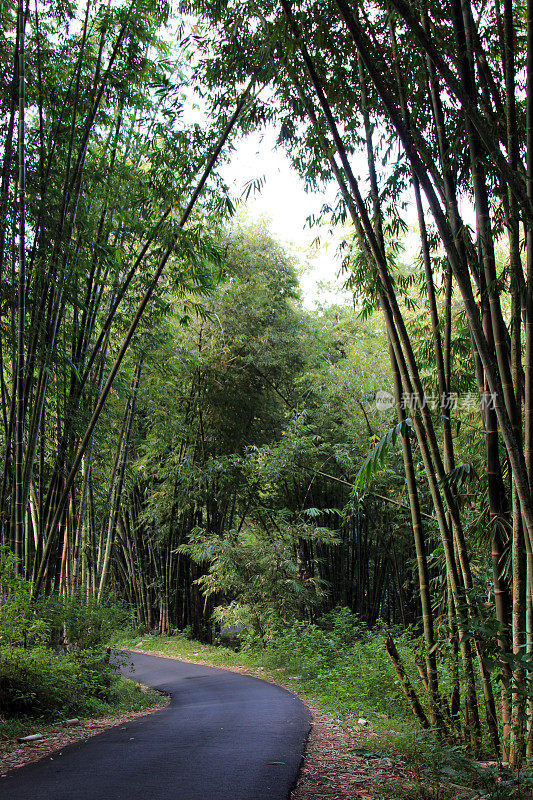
(405, 683)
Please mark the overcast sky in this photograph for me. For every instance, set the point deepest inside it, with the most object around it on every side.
(285, 204)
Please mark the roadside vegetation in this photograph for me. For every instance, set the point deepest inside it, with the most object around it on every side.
(55, 661)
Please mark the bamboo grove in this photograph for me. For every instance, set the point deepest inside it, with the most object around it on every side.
(101, 172)
(98, 181)
(175, 426)
(110, 245)
(439, 99)
(235, 418)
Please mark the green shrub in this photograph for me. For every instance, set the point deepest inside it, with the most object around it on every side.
(36, 681)
(95, 672)
(345, 663)
(57, 622)
(79, 623)
(53, 654)
(15, 612)
(343, 624)
(40, 682)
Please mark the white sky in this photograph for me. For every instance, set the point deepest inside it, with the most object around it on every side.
(285, 205)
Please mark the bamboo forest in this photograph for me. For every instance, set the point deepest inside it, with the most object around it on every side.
(306, 456)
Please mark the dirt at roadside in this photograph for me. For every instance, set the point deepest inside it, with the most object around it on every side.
(339, 763)
(14, 754)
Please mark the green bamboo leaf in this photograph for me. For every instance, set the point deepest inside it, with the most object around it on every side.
(380, 453)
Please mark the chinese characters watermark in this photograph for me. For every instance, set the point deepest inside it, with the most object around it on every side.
(467, 401)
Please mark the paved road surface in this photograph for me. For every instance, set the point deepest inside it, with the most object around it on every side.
(217, 740)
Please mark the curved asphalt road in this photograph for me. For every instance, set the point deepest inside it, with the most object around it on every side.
(224, 736)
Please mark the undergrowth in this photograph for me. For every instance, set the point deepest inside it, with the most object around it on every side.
(125, 697)
(54, 657)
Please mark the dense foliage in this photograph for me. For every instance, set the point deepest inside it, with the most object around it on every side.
(438, 100)
(54, 659)
(176, 427)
